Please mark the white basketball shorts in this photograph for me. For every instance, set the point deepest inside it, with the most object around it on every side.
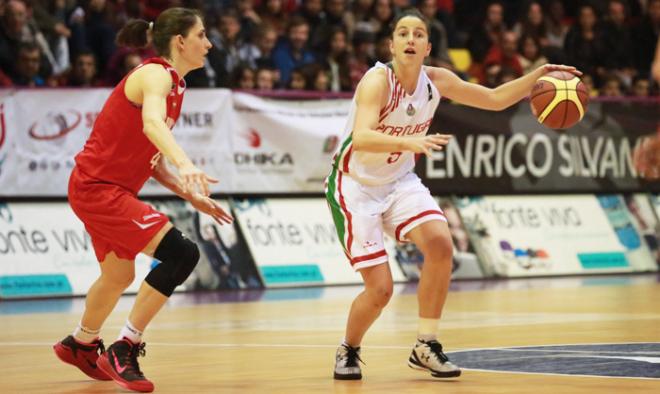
(362, 214)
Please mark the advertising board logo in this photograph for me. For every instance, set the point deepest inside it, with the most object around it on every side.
(262, 159)
(55, 125)
(5, 213)
(253, 138)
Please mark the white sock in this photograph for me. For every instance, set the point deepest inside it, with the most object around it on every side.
(84, 334)
(428, 329)
(130, 332)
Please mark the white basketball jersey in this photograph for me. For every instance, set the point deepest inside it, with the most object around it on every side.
(404, 116)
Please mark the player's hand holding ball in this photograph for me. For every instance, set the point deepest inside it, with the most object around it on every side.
(559, 98)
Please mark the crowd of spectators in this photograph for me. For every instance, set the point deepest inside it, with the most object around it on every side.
(327, 45)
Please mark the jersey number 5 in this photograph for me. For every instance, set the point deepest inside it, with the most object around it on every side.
(394, 156)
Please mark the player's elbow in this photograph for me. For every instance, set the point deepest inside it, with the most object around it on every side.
(150, 125)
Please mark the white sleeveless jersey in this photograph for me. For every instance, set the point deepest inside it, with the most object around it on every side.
(404, 116)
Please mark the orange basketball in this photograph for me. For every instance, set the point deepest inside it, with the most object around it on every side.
(559, 99)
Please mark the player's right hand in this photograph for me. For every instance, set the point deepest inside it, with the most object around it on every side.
(427, 143)
(646, 158)
(195, 180)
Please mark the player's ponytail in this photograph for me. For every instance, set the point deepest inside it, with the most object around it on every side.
(134, 34)
(171, 22)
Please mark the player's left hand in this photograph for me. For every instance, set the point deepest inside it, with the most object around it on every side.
(211, 207)
(546, 68)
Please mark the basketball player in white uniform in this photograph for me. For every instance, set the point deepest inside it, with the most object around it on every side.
(372, 188)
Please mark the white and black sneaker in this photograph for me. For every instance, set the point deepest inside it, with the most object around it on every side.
(346, 363)
(428, 356)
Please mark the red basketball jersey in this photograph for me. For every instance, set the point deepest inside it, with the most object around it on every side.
(117, 150)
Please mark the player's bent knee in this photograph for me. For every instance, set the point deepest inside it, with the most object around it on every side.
(380, 295)
(178, 256)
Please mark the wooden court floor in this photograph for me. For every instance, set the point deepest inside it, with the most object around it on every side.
(282, 345)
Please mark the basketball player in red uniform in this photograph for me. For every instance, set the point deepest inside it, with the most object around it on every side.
(129, 142)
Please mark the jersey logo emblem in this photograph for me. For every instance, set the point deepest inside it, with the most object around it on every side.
(410, 110)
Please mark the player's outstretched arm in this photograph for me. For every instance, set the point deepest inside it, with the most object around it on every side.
(155, 83)
(503, 96)
(371, 95)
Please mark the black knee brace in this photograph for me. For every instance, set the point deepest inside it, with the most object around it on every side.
(178, 257)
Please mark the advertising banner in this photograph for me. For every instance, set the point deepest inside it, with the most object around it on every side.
(282, 146)
(249, 143)
(508, 151)
(294, 242)
(549, 235)
(45, 251)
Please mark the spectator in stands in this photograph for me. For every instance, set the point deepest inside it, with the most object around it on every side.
(557, 27)
(358, 17)
(264, 79)
(273, 14)
(533, 23)
(28, 60)
(227, 38)
(641, 87)
(93, 28)
(248, 16)
(584, 46)
(259, 53)
(243, 77)
(530, 56)
(50, 18)
(618, 41)
(504, 55)
(312, 11)
(612, 87)
(588, 81)
(83, 73)
(363, 54)
(319, 79)
(338, 59)
(336, 14)
(17, 29)
(291, 51)
(382, 15)
(487, 33)
(298, 80)
(439, 56)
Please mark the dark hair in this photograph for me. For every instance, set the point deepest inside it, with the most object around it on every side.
(171, 22)
(411, 12)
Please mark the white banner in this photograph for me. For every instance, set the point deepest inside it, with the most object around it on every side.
(294, 242)
(45, 251)
(550, 235)
(285, 146)
(249, 143)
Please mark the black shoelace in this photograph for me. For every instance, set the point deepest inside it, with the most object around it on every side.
(130, 358)
(352, 356)
(436, 348)
(100, 347)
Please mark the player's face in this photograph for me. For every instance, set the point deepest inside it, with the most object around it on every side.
(195, 45)
(410, 42)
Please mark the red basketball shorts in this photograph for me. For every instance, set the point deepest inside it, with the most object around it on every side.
(113, 216)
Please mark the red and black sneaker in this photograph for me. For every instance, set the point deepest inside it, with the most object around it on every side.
(82, 355)
(120, 362)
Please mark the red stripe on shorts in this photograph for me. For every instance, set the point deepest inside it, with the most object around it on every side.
(400, 227)
(371, 256)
